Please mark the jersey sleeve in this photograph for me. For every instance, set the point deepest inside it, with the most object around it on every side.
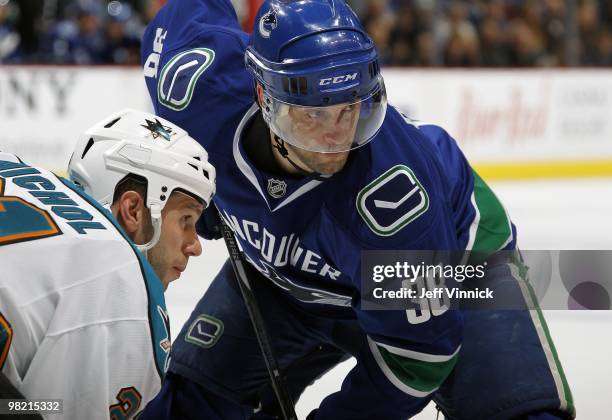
(203, 85)
(399, 367)
(84, 311)
(481, 220)
(99, 371)
(101, 351)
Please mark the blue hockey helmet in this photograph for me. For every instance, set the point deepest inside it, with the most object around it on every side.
(319, 71)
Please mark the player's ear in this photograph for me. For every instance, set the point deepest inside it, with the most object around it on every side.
(130, 211)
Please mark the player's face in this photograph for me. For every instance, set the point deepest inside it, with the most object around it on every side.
(322, 163)
(178, 240)
(325, 130)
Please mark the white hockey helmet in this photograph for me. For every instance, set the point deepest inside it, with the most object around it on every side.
(139, 143)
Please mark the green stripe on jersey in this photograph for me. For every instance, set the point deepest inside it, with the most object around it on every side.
(520, 273)
(494, 230)
(416, 374)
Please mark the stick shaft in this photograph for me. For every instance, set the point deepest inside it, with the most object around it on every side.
(250, 300)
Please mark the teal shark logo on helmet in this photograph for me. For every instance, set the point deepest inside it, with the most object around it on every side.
(157, 129)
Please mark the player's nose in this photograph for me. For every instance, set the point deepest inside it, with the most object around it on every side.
(336, 136)
(332, 139)
(193, 247)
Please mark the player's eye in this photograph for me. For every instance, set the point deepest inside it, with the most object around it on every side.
(314, 114)
(191, 219)
(347, 111)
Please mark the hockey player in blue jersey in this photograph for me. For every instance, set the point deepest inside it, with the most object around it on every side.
(314, 168)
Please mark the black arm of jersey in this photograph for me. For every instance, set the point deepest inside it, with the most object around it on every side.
(9, 392)
(209, 225)
(181, 398)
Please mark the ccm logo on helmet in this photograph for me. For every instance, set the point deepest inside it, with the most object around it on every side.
(338, 79)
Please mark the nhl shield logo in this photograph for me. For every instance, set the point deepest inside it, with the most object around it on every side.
(277, 188)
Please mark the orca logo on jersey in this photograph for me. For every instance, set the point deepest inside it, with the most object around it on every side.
(277, 188)
(391, 201)
(267, 23)
(178, 77)
(205, 331)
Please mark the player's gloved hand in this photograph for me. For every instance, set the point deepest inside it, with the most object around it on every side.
(209, 225)
(312, 415)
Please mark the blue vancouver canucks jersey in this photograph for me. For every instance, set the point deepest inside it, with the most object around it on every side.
(409, 188)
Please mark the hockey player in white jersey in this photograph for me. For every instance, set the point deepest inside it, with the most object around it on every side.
(82, 312)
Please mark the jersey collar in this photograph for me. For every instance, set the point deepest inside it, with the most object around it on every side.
(259, 179)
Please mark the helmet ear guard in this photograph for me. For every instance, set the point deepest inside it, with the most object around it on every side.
(139, 143)
(266, 105)
(156, 221)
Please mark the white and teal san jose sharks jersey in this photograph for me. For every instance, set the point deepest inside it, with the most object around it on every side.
(82, 314)
(410, 188)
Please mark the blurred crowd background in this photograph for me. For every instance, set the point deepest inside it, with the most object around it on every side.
(450, 33)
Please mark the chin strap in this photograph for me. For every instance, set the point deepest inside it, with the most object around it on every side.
(156, 221)
(279, 144)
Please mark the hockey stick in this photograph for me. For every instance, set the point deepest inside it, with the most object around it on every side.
(238, 263)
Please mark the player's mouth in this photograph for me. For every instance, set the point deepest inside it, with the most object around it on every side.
(335, 148)
(336, 155)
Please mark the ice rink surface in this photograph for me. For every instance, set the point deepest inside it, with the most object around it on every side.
(559, 214)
